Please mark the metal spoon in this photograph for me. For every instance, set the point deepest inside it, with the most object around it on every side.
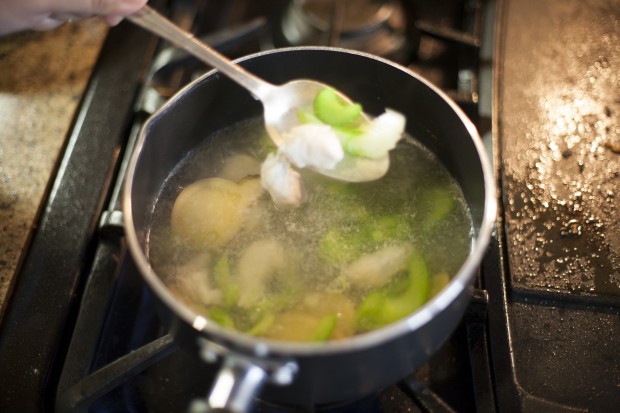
(280, 102)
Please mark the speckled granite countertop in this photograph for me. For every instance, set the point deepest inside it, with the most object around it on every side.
(42, 78)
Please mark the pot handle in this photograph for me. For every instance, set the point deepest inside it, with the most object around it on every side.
(240, 379)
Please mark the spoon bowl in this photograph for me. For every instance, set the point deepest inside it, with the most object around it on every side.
(280, 102)
(280, 116)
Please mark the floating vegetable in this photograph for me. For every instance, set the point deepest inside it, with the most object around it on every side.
(325, 329)
(332, 109)
(378, 268)
(379, 137)
(439, 202)
(263, 324)
(210, 212)
(239, 166)
(369, 139)
(438, 282)
(317, 317)
(260, 263)
(221, 317)
(382, 307)
(224, 282)
(341, 245)
(192, 280)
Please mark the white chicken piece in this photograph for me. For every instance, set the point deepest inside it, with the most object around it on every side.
(258, 263)
(282, 181)
(377, 268)
(380, 137)
(312, 145)
(192, 281)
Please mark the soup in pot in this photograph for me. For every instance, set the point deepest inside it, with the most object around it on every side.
(352, 258)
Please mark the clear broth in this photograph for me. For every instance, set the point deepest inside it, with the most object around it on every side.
(416, 204)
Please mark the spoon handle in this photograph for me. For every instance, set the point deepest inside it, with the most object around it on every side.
(151, 20)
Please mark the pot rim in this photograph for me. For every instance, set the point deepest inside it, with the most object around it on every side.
(262, 346)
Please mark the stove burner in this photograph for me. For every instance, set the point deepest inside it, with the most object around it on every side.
(374, 26)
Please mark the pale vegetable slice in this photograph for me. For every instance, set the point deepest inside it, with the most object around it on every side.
(293, 326)
(382, 306)
(379, 137)
(221, 317)
(256, 217)
(317, 317)
(225, 282)
(251, 191)
(263, 324)
(210, 212)
(326, 304)
(377, 268)
(439, 201)
(191, 280)
(239, 166)
(258, 265)
(325, 330)
(438, 282)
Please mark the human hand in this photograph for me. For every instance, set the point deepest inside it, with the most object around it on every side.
(18, 15)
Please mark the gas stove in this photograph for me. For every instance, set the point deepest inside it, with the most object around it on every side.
(81, 332)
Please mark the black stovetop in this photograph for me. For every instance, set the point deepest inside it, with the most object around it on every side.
(81, 334)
